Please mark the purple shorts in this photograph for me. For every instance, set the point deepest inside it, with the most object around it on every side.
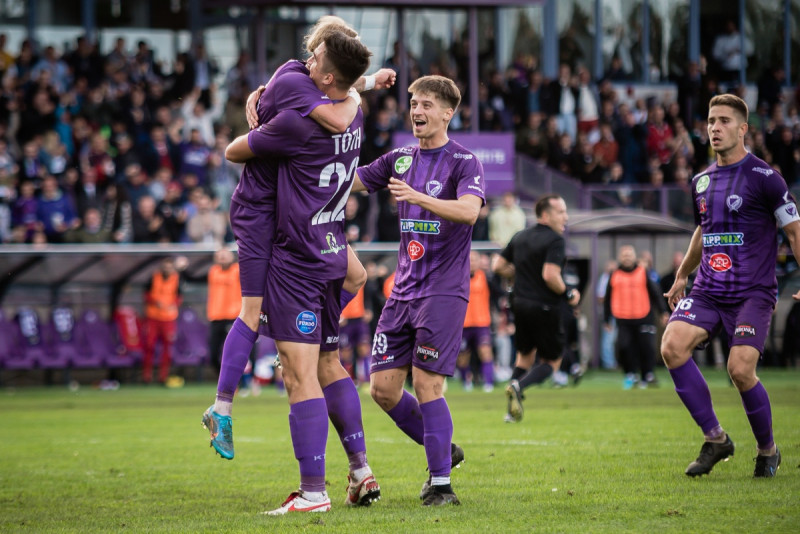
(301, 310)
(475, 336)
(254, 230)
(425, 333)
(746, 321)
(354, 332)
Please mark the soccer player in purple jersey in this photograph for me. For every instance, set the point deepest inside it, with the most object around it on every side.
(253, 214)
(737, 201)
(307, 268)
(439, 190)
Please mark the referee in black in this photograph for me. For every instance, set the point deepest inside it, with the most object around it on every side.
(535, 258)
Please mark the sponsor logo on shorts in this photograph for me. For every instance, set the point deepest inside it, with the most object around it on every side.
(686, 315)
(744, 330)
(384, 359)
(419, 227)
(331, 339)
(734, 202)
(306, 322)
(434, 187)
(262, 318)
(701, 205)
(734, 239)
(427, 353)
(415, 250)
(402, 164)
(720, 262)
(762, 170)
(459, 155)
(702, 183)
(333, 246)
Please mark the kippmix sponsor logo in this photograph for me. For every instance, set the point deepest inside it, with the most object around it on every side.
(702, 183)
(459, 155)
(262, 318)
(434, 187)
(735, 239)
(720, 262)
(701, 205)
(415, 250)
(419, 227)
(306, 322)
(762, 170)
(333, 246)
(402, 164)
(744, 330)
(734, 202)
(427, 353)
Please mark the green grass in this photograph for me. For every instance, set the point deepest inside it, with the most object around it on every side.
(587, 459)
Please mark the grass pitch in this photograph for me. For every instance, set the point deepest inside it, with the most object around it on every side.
(587, 459)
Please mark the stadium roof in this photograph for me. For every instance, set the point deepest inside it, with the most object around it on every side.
(624, 221)
(395, 3)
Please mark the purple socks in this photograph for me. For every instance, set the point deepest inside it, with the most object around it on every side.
(757, 407)
(408, 417)
(344, 411)
(235, 353)
(308, 424)
(693, 391)
(438, 436)
(487, 370)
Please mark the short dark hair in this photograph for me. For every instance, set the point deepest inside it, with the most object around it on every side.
(732, 101)
(347, 57)
(440, 87)
(543, 204)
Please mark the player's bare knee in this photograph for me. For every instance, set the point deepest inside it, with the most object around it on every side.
(382, 396)
(673, 351)
(742, 375)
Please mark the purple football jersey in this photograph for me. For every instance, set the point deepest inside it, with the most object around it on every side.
(315, 174)
(289, 88)
(434, 253)
(736, 207)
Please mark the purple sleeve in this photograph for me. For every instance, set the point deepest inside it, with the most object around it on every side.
(776, 192)
(284, 135)
(471, 179)
(297, 91)
(376, 175)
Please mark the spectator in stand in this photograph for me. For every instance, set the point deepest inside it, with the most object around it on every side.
(197, 117)
(588, 105)
(31, 165)
(6, 58)
(24, 212)
(660, 138)
(785, 154)
(536, 92)
(56, 69)
(161, 180)
(651, 198)
(689, 89)
(87, 193)
(223, 175)
(683, 147)
(208, 225)
(91, 231)
(160, 150)
(632, 138)
(195, 155)
(531, 139)
(117, 214)
(562, 101)
(606, 149)
(148, 225)
(562, 156)
(98, 157)
(679, 202)
(55, 211)
(584, 163)
(136, 183)
(729, 54)
(172, 211)
(125, 155)
(506, 219)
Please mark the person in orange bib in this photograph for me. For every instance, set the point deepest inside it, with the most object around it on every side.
(633, 300)
(355, 341)
(162, 297)
(477, 334)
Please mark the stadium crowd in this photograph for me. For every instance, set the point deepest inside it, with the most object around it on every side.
(121, 148)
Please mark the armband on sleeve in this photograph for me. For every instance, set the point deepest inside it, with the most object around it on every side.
(786, 214)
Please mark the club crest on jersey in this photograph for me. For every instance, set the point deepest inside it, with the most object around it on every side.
(402, 164)
(333, 246)
(415, 250)
(419, 227)
(701, 206)
(702, 183)
(720, 262)
(306, 322)
(434, 187)
(734, 202)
